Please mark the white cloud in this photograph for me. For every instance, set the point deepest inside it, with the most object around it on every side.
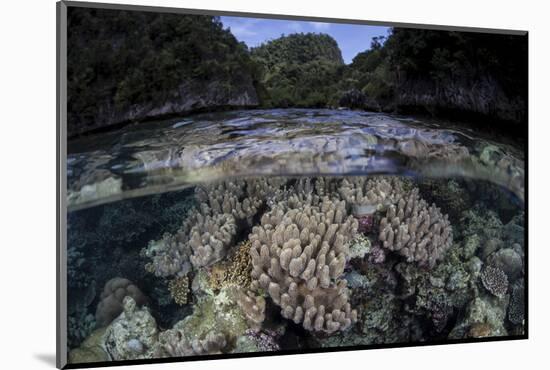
(320, 26)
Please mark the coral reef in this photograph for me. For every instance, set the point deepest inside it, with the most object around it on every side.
(179, 289)
(346, 261)
(416, 231)
(111, 299)
(494, 280)
(298, 255)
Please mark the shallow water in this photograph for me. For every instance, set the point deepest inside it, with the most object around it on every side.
(160, 156)
(176, 214)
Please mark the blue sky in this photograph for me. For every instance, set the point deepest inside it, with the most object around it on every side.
(351, 38)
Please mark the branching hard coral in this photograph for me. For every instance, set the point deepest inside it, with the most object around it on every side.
(298, 255)
(179, 289)
(111, 299)
(495, 281)
(416, 231)
(174, 344)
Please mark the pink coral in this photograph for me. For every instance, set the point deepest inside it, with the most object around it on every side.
(366, 223)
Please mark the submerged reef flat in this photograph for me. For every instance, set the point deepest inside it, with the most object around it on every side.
(274, 263)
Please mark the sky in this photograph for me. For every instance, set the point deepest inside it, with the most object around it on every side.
(351, 38)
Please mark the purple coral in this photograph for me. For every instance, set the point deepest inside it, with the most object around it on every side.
(366, 223)
(266, 341)
(377, 255)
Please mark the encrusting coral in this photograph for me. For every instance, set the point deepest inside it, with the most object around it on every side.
(420, 233)
(298, 255)
(111, 304)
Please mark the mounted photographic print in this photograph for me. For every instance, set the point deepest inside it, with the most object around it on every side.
(235, 184)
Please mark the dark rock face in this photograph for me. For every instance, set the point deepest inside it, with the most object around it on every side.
(189, 97)
(483, 97)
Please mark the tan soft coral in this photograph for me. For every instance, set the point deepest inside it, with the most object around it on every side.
(298, 255)
(208, 230)
(415, 230)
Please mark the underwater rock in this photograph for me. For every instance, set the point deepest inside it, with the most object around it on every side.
(214, 311)
(79, 327)
(495, 281)
(484, 317)
(91, 350)
(111, 299)
(514, 232)
(471, 245)
(485, 224)
(298, 255)
(132, 335)
(491, 246)
(416, 231)
(509, 261)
